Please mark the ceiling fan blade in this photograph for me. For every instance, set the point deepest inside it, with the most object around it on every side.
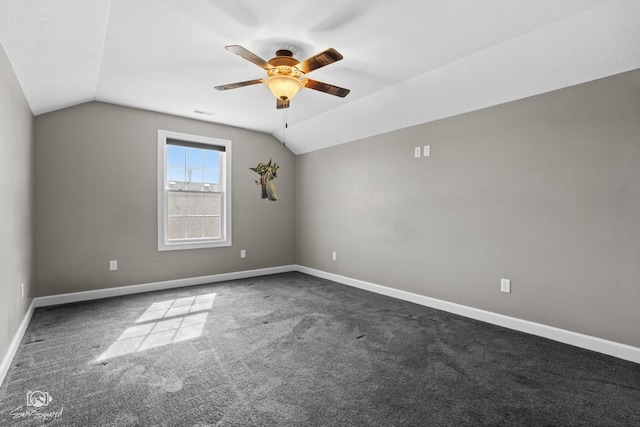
(327, 57)
(282, 104)
(327, 88)
(249, 56)
(239, 84)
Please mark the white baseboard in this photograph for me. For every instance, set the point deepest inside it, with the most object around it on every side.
(156, 286)
(611, 348)
(15, 343)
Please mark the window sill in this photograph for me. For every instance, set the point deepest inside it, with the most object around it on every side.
(176, 246)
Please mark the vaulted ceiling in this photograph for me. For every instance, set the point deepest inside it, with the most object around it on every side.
(406, 61)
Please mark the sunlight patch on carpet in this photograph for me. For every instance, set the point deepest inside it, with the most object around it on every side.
(163, 323)
(177, 307)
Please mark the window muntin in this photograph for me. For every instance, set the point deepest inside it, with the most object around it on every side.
(193, 187)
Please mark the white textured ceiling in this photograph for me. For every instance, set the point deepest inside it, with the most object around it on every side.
(406, 61)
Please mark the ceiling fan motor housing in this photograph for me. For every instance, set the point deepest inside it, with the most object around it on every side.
(284, 52)
(284, 64)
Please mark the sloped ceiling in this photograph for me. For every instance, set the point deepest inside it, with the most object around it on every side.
(406, 61)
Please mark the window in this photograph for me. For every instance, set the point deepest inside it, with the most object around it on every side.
(194, 199)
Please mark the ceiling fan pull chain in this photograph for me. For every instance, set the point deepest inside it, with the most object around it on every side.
(285, 125)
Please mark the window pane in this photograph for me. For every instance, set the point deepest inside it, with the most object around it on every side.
(177, 203)
(177, 227)
(212, 176)
(194, 227)
(194, 158)
(194, 175)
(211, 159)
(175, 155)
(212, 203)
(195, 204)
(176, 174)
(212, 226)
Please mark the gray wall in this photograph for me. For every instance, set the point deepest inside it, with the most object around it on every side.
(96, 200)
(16, 170)
(544, 191)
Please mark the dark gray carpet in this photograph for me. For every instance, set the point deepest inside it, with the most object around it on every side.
(294, 350)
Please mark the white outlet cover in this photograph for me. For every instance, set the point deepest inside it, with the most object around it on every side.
(505, 285)
(427, 151)
(417, 152)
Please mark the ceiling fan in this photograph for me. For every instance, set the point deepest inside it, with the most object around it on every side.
(285, 73)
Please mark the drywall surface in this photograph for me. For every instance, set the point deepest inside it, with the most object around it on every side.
(96, 201)
(16, 171)
(543, 191)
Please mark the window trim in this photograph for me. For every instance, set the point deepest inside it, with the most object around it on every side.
(163, 242)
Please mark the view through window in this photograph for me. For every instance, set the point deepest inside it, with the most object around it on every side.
(194, 192)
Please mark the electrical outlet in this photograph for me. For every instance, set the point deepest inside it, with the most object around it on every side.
(113, 264)
(243, 253)
(335, 256)
(417, 152)
(505, 285)
(427, 150)
(22, 289)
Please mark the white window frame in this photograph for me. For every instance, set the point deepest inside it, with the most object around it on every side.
(163, 190)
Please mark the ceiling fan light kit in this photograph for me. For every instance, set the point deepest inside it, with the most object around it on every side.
(285, 73)
(284, 87)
